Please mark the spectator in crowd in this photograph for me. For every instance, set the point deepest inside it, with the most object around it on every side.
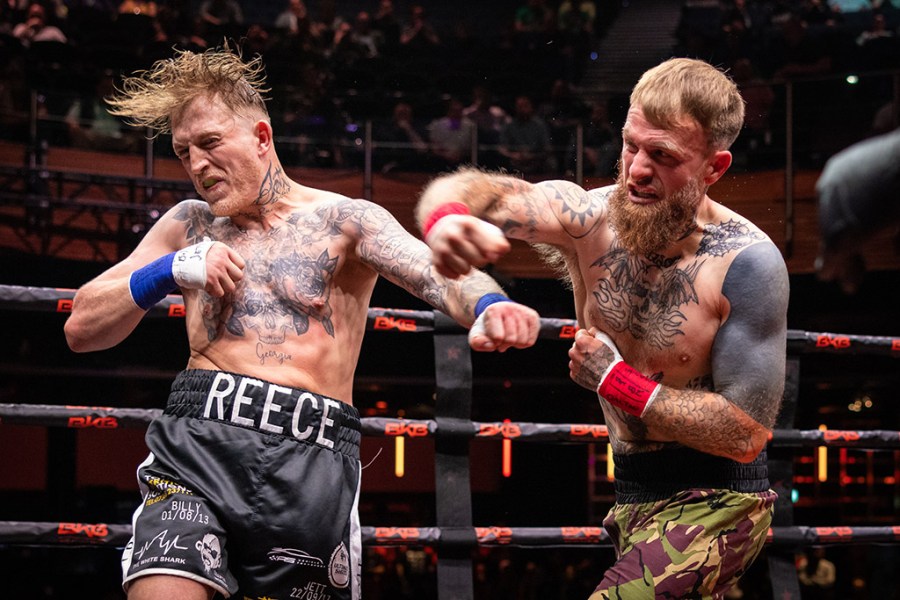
(575, 22)
(451, 136)
(91, 126)
(525, 140)
(562, 112)
(385, 22)
(357, 40)
(490, 119)
(817, 575)
(601, 142)
(292, 18)
(419, 35)
(36, 28)
(222, 18)
(403, 145)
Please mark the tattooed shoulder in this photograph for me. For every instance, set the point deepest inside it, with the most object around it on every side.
(197, 219)
(727, 236)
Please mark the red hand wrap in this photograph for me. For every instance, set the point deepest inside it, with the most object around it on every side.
(450, 208)
(628, 389)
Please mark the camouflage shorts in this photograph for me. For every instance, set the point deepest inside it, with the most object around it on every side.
(695, 544)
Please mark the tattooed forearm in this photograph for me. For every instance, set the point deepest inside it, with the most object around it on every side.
(705, 421)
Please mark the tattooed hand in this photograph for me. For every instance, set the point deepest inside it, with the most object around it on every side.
(590, 357)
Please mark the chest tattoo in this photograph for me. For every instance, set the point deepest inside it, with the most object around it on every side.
(288, 278)
(647, 296)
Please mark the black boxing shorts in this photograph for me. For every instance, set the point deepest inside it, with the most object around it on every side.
(250, 488)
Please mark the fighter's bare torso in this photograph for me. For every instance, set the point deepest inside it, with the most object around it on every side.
(663, 312)
(298, 315)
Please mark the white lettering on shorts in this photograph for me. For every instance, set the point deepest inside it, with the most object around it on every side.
(241, 398)
(311, 591)
(219, 395)
(253, 403)
(270, 407)
(295, 420)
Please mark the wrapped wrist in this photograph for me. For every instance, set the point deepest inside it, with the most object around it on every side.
(449, 208)
(627, 388)
(153, 282)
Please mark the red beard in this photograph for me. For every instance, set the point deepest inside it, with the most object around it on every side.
(647, 229)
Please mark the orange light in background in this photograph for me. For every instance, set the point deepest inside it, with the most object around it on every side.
(822, 459)
(399, 456)
(610, 464)
(507, 455)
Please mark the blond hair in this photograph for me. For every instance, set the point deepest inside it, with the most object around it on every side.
(682, 87)
(152, 98)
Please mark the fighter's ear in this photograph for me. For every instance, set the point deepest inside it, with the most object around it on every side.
(263, 131)
(716, 166)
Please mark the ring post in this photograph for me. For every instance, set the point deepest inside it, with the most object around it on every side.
(782, 567)
(453, 497)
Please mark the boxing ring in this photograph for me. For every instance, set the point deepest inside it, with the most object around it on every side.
(454, 536)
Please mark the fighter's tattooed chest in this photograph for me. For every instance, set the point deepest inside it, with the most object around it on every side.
(287, 278)
(653, 297)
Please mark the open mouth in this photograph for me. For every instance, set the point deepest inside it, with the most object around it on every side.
(642, 196)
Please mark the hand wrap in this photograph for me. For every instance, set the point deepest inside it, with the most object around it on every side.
(185, 268)
(480, 306)
(624, 386)
(450, 208)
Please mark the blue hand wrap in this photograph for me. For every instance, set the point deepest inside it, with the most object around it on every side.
(152, 283)
(487, 300)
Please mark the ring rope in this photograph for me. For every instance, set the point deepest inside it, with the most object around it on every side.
(59, 300)
(104, 417)
(68, 534)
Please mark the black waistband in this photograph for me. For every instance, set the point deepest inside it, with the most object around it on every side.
(654, 476)
(266, 407)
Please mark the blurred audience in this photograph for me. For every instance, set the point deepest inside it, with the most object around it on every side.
(525, 141)
(36, 28)
(452, 135)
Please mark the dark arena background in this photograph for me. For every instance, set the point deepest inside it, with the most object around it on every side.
(79, 189)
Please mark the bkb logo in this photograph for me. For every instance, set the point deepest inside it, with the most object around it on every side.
(385, 323)
(838, 342)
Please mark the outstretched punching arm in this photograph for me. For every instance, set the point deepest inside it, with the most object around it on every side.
(465, 217)
(474, 300)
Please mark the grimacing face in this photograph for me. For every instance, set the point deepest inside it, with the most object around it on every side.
(660, 183)
(220, 152)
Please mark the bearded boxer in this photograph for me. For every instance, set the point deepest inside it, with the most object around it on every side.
(682, 305)
(252, 484)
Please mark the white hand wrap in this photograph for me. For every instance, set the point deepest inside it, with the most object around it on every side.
(477, 327)
(189, 266)
(612, 346)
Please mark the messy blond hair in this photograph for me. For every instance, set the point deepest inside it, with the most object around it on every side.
(152, 98)
(682, 87)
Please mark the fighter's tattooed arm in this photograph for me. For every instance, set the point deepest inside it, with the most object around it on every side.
(552, 212)
(748, 365)
(405, 261)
